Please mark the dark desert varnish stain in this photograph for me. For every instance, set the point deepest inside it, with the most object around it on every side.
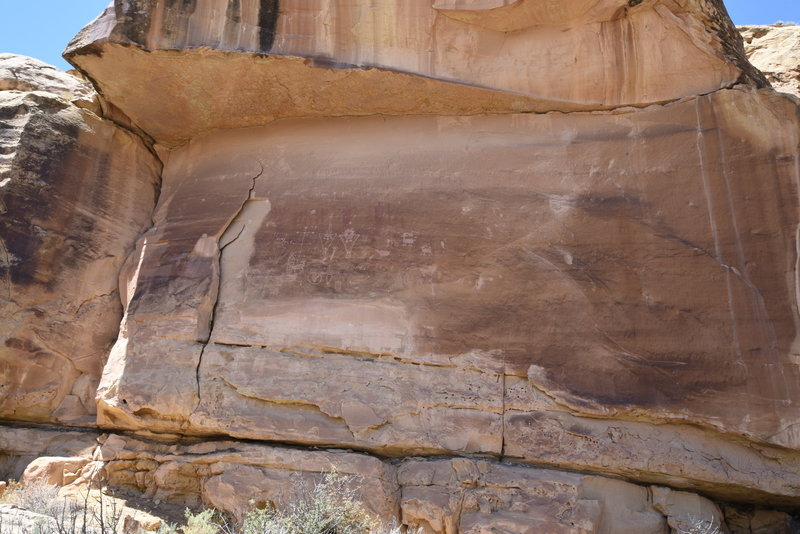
(234, 12)
(36, 198)
(267, 23)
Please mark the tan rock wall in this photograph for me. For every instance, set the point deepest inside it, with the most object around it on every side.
(75, 193)
(494, 276)
(775, 50)
(398, 58)
(482, 285)
(445, 495)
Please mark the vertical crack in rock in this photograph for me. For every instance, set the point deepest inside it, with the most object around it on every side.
(216, 287)
(503, 415)
(712, 219)
(741, 273)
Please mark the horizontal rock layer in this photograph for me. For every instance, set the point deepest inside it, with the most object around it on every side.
(294, 58)
(439, 495)
(75, 192)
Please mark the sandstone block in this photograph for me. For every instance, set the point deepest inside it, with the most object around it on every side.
(228, 475)
(306, 292)
(54, 470)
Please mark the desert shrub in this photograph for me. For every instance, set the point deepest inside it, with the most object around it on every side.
(37, 496)
(330, 506)
(203, 522)
(93, 515)
(699, 526)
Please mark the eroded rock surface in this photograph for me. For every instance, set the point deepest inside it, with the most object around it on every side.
(439, 495)
(495, 277)
(775, 51)
(448, 272)
(396, 58)
(75, 193)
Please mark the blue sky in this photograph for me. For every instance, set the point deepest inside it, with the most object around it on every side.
(42, 28)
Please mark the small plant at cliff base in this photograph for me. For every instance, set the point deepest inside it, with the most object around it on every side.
(204, 522)
(699, 526)
(58, 515)
(329, 507)
(37, 497)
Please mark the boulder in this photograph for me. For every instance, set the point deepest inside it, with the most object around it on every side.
(21, 448)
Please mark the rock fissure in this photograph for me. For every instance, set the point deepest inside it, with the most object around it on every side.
(93, 299)
(217, 284)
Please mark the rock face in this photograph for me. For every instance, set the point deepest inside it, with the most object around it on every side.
(311, 59)
(496, 277)
(438, 495)
(775, 51)
(75, 192)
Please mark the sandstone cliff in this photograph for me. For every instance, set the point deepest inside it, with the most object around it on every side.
(512, 291)
(75, 192)
(775, 50)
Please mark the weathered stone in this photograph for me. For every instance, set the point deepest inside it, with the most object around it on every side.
(608, 288)
(775, 51)
(374, 402)
(75, 193)
(686, 512)
(54, 470)
(21, 73)
(538, 430)
(228, 475)
(19, 447)
(439, 495)
(295, 58)
(758, 521)
(451, 496)
(420, 284)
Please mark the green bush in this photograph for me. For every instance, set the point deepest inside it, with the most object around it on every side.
(330, 507)
(204, 522)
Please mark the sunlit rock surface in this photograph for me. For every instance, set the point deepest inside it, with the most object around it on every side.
(437, 495)
(479, 247)
(775, 50)
(492, 254)
(220, 64)
(75, 193)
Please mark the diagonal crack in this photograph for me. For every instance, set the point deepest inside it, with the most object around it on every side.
(216, 287)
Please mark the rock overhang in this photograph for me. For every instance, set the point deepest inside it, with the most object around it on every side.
(212, 66)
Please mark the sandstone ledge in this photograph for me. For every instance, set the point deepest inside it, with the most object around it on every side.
(445, 495)
(398, 58)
